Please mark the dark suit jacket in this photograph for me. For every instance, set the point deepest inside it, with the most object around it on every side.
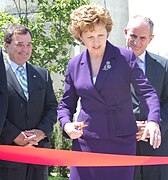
(3, 92)
(38, 112)
(106, 106)
(157, 74)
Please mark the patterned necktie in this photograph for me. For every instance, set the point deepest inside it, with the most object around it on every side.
(23, 80)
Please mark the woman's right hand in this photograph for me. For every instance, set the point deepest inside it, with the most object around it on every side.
(74, 129)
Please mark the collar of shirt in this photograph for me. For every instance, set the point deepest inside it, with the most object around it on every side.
(142, 57)
(14, 66)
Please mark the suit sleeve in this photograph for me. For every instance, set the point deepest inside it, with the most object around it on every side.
(3, 93)
(164, 103)
(50, 109)
(146, 94)
(68, 104)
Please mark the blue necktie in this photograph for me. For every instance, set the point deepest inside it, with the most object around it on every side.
(23, 80)
(141, 64)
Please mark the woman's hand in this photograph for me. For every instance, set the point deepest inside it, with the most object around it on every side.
(74, 129)
(152, 131)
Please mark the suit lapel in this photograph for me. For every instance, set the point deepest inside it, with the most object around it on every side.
(13, 81)
(106, 67)
(86, 76)
(33, 79)
(151, 72)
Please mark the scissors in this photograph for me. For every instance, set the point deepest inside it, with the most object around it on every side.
(83, 124)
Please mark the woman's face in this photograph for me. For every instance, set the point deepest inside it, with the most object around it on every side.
(95, 41)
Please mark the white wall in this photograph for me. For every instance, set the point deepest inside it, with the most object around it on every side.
(119, 13)
(5, 4)
(157, 11)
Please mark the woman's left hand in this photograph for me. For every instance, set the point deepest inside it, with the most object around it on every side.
(152, 131)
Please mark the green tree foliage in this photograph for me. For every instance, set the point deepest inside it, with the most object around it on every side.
(4, 20)
(52, 42)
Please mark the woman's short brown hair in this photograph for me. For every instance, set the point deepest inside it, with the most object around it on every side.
(86, 17)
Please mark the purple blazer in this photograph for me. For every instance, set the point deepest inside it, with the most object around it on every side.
(107, 106)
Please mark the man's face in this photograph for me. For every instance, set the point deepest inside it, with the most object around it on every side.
(20, 48)
(138, 36)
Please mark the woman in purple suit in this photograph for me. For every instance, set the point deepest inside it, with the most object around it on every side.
(102, 76)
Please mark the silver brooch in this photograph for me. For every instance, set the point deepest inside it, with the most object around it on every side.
(107, 66)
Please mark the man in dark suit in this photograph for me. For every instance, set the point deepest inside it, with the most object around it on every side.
(3, 92)
(31, 112)
(139, 33)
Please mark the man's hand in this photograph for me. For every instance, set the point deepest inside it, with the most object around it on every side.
(32, 137)
(20, 140)
(141, 126)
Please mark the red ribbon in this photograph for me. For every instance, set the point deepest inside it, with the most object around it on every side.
(53, 157)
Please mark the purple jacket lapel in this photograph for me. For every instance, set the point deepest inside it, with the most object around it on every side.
(86, 76)
(106, 67)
